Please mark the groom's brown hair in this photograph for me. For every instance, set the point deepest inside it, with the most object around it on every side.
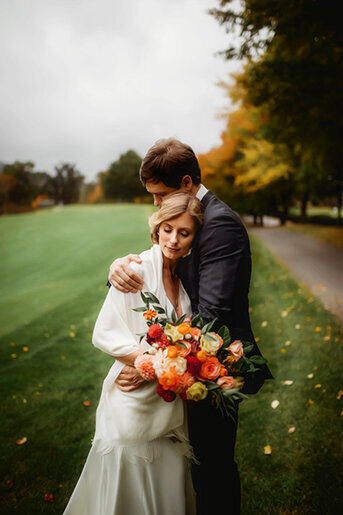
(169, 160)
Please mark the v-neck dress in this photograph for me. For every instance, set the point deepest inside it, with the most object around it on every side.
(139, 460)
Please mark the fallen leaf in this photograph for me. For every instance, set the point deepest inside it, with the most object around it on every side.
(87, 403)
(340, 394)
(310, 401)
(267, 449)
(288, 382)
(291, 429)
(275, 404)
(327, 338)
(288, 343)
(21, 441)
(318, 385)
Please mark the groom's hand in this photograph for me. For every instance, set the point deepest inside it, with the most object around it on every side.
(122, 276)
(129, 379)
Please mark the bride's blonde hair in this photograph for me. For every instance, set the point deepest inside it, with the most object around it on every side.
(172, 207)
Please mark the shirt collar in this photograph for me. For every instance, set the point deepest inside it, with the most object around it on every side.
(201, 192)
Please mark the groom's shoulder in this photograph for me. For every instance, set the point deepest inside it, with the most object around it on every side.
(218, 211)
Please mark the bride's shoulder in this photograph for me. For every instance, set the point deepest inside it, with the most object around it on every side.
(150, 259)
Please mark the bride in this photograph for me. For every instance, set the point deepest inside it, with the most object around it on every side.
(139, 460)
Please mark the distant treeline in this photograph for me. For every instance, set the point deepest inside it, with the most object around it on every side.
(24, 189)
(282, 143)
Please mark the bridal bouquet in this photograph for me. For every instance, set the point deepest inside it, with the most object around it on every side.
(190, 360)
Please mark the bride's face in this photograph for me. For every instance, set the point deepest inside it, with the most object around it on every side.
(176, 236)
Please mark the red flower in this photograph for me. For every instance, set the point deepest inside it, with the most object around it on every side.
(155, 331)
(195, 346)
(48, 498)
(163, 341)
(193, 365)
(166, 395)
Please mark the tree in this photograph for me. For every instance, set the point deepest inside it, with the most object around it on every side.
(295, 78)
(121, 181)
(65, 186)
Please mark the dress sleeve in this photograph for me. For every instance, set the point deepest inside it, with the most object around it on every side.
(112, 332)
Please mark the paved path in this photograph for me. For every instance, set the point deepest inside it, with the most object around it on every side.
(315, 263)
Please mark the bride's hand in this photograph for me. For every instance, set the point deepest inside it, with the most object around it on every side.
(122, 276)
(129, 379)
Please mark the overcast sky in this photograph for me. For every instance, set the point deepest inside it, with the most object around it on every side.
(83, 81)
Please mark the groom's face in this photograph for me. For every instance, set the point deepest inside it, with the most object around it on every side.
(160, 191)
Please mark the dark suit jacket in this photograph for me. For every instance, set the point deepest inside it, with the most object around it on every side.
(216, 275)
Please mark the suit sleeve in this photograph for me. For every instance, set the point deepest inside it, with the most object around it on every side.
(220, 256)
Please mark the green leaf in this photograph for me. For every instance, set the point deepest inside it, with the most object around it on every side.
(152, 297)
(258, 360)
(207, 327)
(212, 386)
(144, 299)
(180, 344)
(225, 335)
(159, 309)
(174, 316)
(181, 319)
(228, 393)
(139, 310)
(248, 348)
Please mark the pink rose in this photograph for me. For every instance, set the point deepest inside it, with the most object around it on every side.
(236, 349)
(227, 382)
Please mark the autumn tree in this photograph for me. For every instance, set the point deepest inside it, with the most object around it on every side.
(295, 77)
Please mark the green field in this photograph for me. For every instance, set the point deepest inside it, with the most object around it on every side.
(53, 275)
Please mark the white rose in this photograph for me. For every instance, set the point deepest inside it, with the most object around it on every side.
(179, 363)
(210, 343)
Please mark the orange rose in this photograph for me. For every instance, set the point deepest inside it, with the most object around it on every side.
(223, 372)
(201, 355)
(172, 351)
(195, 332)
(236, 349)
(168, 379)
(210, 369)
(227, 382)
(184, 328)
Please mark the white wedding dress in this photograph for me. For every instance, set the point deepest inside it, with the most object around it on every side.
(139, 460)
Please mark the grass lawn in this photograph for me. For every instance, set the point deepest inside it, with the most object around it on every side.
(316, 211)
(53, 274)
(328, 233)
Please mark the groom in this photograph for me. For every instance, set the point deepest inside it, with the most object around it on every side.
(216, 276)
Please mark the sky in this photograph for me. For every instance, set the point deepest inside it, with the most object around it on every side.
(83, 81)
